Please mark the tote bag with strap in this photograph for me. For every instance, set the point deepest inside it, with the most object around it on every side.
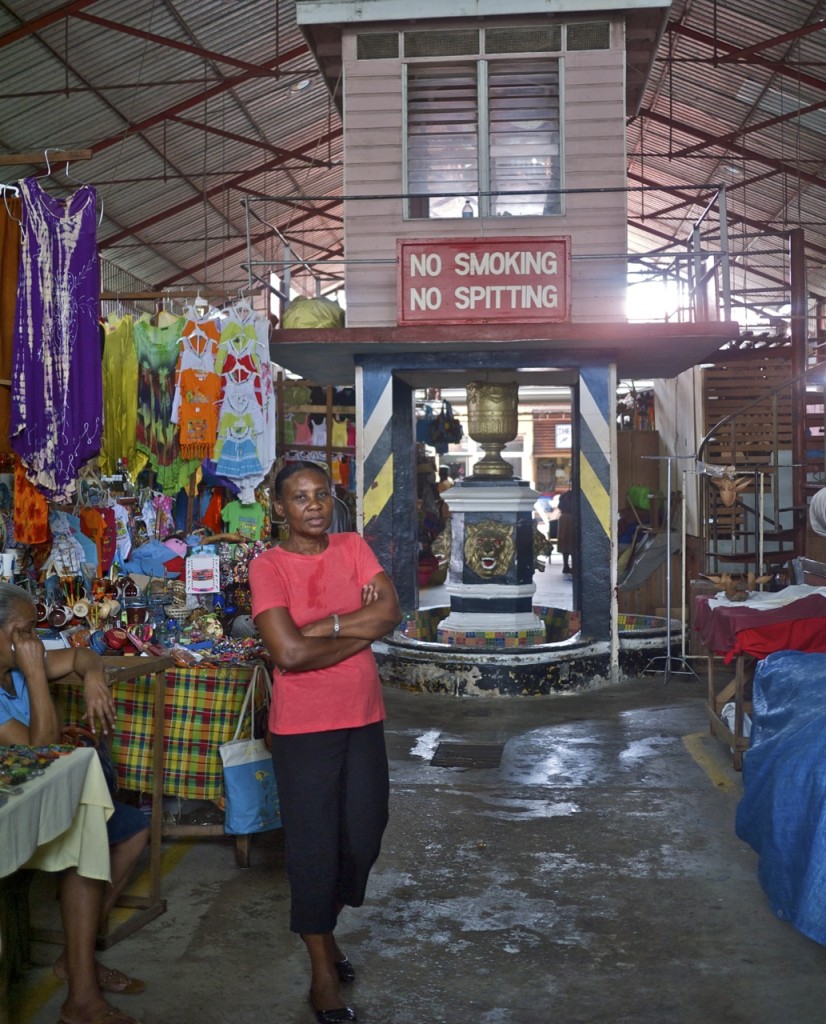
(249, 781)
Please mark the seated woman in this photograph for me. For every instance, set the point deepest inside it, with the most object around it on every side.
(28, 716)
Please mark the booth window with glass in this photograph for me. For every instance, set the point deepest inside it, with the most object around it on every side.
(486, 129)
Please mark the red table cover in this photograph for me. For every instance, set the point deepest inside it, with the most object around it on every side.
(720, 627)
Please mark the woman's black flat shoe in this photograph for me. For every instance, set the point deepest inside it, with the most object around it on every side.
(345, 971)
(337, 1016)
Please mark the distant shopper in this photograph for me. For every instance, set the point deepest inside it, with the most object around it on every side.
(566, 530)
(445, 479)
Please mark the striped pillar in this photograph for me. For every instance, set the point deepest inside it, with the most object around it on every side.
(595, 403)
(386, 474)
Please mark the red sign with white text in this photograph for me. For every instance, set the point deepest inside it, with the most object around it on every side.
(491, 280)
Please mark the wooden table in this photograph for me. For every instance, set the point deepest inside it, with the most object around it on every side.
(743, 632)
(152, 905)
(735, 688)
(167, 735)
(58, 821)
(177, 830)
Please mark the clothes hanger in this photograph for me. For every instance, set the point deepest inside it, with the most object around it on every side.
(10, 190)
(242, 306)
(166, 315)
(83, 184)
(48, 165)
(51, 172)
(198, 308)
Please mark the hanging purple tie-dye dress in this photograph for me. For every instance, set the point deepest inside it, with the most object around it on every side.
(57, 396)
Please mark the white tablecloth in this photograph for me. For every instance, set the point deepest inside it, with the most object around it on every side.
(59, 820)
(767, 600)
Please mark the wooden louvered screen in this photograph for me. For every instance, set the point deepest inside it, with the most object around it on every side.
(752, 440)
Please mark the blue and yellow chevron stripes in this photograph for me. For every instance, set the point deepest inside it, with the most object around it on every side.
(596, 406)
(375, 451)
(595, 422)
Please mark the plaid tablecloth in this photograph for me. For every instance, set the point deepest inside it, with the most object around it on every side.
(200, 712)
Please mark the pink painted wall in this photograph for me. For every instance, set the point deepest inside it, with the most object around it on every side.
(593, 90)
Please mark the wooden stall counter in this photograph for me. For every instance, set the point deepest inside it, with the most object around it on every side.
(120, 671)
(57, 821)
(736, 688)
(743, 632)
(170, 724)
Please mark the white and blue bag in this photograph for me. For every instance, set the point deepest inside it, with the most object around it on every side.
(249, 780)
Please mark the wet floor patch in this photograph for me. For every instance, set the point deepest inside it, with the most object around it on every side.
(467, 755)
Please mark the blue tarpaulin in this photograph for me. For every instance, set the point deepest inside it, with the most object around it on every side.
(782, 814)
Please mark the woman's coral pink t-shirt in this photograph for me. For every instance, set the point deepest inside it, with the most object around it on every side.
(310, 587)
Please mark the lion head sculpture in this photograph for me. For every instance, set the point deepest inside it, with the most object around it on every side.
(489, 548)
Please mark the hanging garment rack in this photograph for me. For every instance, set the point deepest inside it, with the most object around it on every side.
(178, 293)
(37, 156)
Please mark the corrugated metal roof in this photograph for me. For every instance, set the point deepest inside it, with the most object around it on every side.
(188, 108)
(738, 97)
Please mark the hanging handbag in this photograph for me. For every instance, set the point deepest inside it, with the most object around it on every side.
(424, 424)
(249, 780)
(445, 429)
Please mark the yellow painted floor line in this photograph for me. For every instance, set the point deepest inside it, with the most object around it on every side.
(33, 1000)
(698, 744)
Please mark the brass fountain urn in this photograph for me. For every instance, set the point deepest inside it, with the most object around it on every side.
(492, 411)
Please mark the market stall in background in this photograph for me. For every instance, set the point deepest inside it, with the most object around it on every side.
(136, 465)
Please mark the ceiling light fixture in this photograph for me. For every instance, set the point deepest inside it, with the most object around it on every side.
(300, 85)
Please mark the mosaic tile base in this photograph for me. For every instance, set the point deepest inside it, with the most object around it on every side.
(629, 621)
(560, 624)
(491, 639)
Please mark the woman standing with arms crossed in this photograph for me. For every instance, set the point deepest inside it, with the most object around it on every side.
(319, 600)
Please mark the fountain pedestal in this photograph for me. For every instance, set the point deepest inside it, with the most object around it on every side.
(490, 578)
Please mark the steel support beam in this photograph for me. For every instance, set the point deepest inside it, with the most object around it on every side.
(794, 170)
(194, 200)
(788, 37)
(197, 99)
(175, 44)
(29, 28)
(729, 49)
(724, 140)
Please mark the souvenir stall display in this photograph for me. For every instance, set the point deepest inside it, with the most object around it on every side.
(134, 481)
(184, 459)
(137, 440)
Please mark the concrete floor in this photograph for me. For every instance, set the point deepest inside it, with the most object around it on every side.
(594, 876)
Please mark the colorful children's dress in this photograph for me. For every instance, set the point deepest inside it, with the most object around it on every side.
(157, 435)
